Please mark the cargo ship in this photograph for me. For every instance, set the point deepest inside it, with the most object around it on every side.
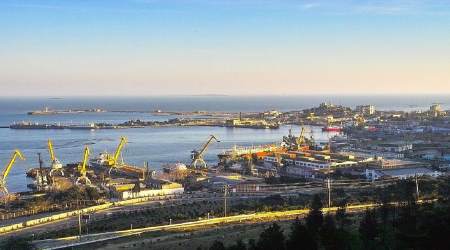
(35, 125)
(48, 111)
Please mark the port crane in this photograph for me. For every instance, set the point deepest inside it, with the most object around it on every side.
(111, 161)
(82, 169)
(7, 169)
(56, 164)
(301, 138)
(197, 155)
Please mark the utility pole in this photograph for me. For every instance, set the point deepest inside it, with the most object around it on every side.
(225, 200)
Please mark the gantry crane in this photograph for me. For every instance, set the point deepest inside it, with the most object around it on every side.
(7, 169)
(82, 169)
(197, 156)
(56, 164)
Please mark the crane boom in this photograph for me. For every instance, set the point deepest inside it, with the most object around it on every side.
(205, 146)
(122, 143)
(50, 150)
(8, 167)
(82, 168)
(301, 138)
(197, 156)
(83, 165)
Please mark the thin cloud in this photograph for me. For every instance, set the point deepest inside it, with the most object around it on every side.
(308, 6)
(379, 7)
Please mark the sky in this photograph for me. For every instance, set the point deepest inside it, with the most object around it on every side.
(241, 47)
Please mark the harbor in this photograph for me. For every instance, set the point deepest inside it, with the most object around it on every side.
(142, 161)
(224, 125)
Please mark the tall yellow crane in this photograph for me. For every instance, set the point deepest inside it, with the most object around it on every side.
(113, 160)
(7, 169)
(301, 138)
(197, 155)
(82, 168)
(56, 164)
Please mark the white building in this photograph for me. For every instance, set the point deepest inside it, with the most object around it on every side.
(400, 173)
(365, 109)
(324, 164)
(393, 147)
(301, 172)
(151, 193)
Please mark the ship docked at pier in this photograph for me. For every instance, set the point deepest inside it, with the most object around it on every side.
(36, 125)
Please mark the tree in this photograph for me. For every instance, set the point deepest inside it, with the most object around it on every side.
(368, 229)
(404, 191)
(17, 243)
(238, 246)
(271, 239)
(252, 244)
(444, 190)
(301, 238)
(91, 193)
(314, 219)
(217, 245)
(328, 232)
(342, 219)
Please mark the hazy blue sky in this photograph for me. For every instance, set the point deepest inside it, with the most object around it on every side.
(247, 47)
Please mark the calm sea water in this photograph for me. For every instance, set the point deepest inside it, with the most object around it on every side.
(157, 145)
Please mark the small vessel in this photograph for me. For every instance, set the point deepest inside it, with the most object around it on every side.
(332, 129)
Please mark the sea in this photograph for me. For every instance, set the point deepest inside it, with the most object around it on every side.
(162, 145)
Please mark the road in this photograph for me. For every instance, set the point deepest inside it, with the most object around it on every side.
(185, 199)
(255, 217)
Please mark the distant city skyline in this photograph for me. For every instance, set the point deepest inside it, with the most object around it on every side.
(199, 47)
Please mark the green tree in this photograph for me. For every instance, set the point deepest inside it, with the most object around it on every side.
(444, 189)
(271, 239)
(252, 245)
(301, 238)
(314, 219)
(328, 232)
(17, 243)
(238, 246)
(217, 245)
(368, 229)
(91, 193)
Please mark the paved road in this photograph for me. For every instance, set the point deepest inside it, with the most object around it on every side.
(256, 217)
(185, 199)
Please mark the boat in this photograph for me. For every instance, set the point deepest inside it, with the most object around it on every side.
(332, 129)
